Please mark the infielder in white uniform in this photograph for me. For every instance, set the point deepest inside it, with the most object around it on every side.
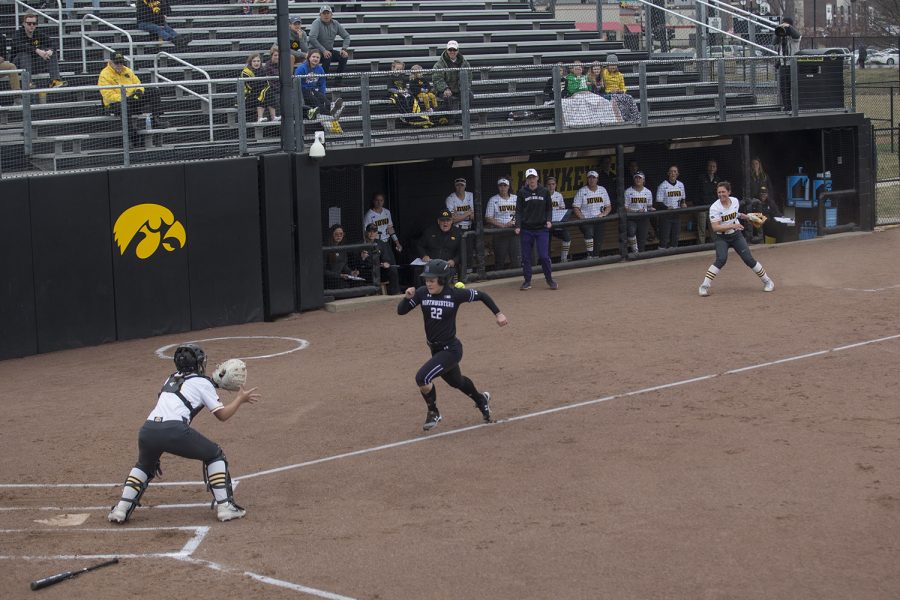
(591, 202)
(168, 429)
(724, 219)
(501, 214)
(381, 218)
(638, 199)
(560, 214)
(461, 205)
(671, 194)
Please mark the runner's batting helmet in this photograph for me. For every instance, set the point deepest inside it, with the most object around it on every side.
(190, 358)
(437, 268)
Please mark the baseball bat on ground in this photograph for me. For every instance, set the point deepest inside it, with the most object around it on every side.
(53, 579)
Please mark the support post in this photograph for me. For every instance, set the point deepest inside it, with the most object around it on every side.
(365, 110)
(557, 99)
(242, 117)
(720, 66)
(478, 207)
(126, 140)
(795, 88)
(642, 84)
(284, 77)
(465, 89)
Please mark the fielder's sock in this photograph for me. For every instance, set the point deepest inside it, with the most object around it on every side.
(431, 398)
(632, 243)
(468, 388)
(217, 474)
(564, 254)
(760, 271)
(711, 273)
(589, 246)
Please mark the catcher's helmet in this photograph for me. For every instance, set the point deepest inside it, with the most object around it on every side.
(190, 358)
(437, 268)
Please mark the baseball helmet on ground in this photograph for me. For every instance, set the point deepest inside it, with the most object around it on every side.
(190, 358)
(437, 268)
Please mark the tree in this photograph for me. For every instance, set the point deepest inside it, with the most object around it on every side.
(883, 18)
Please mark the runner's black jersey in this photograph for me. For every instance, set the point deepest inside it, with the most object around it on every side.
(439, 310)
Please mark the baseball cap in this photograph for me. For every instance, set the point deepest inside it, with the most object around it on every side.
(296, 19)
(763, 190)
(371, 227)
(459, 180)
(593, 174)
(118, 58)
(531, 173)
(503, 181)
(453, 44)
(638, 174)
(549, 179)
(444, 215)
(325, 8)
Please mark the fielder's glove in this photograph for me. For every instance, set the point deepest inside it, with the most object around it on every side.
(757, 218)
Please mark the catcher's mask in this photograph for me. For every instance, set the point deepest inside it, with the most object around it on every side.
(190, 358)
(437, 269)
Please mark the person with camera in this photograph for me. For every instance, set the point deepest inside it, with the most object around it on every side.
(787, 38)
(140, 100)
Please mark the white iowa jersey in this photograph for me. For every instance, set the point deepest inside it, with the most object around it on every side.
(725, 216)
(638, 201)
(197, 390)
(382, 221)
(455, 205)
(671, 194)
(501, 209)
(559, 206)
(591, 203)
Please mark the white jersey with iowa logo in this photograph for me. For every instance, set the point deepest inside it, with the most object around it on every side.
(725, 216)
(591, 203)
(455, 205)
(559, 206)
(671, 194)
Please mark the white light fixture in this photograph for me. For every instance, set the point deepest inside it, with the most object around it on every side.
(317, 150)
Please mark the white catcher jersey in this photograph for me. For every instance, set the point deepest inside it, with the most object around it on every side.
(382, 221)
(197, 390)
(725, 216)
(638, 201)
(671, 194)
(501, 209)
(591, 203)
(559, 206)
(455, 205)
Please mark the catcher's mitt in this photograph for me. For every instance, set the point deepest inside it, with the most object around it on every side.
(230, 375)
(757, 218)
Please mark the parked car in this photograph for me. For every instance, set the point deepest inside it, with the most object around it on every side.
(888, 57)
(726, 51)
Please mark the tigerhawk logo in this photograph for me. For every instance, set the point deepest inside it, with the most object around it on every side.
(155, 224)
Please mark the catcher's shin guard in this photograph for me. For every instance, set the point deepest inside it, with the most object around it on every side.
(218, 480)
(135, 485)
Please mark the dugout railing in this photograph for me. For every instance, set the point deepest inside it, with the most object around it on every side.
(365, 287)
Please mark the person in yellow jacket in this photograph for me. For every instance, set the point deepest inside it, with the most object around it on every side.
(141, 100)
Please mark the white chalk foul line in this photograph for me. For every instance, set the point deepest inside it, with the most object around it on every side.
(548, 411)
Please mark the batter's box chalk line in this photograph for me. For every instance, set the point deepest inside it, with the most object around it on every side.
(300, 345)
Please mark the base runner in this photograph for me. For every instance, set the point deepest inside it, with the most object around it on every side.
(439, 302)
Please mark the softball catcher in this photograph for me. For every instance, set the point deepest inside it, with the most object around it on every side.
(439, 302)
(168, 429)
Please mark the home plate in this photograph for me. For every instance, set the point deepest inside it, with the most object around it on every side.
(65, 520)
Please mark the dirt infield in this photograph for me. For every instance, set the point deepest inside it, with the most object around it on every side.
(637, 456)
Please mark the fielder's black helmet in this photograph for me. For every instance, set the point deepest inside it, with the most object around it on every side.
(190, 358)
(437, 268)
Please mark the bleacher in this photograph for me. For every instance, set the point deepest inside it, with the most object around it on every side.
(71, 130)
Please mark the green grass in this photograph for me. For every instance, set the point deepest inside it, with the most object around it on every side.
(887, 200)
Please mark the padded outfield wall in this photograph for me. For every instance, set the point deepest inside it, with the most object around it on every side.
(99, 256)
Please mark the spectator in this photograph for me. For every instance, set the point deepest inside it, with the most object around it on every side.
(312, 84)
(550, 93)
(581, 108)
(14, 82)
(787, 38)
(442, 240)
(383, 257)
(152, 16)
(638, 199)
(576, 80)
(766, 205)
(863, 54)
(70, 8)
(595, 77)
(614, 85)
(404, 100)
(257, 91)
(379, 216)
(758, 179)
(592, 202)
(271, 69)
(322, 35)
(606, 178)
(708, 182)
(30, 44)
(534, 219)
(338, 273)
(670, 195)
(298, 41)
(560, 213)
(140, 99)
(421, 86)
(446, 79)
(501, 214)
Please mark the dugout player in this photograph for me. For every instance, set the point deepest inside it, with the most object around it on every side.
(592, 202)
(725, 221)
(168, 429)
(439, 302)
(670, 195)
(560, 213)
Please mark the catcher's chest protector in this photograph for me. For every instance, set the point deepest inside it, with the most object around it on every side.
(173, 386)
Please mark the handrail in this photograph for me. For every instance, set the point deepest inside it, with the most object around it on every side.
(84, 37)
(58, 21)
(650, 5)
(157, 76)
(735, 11)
